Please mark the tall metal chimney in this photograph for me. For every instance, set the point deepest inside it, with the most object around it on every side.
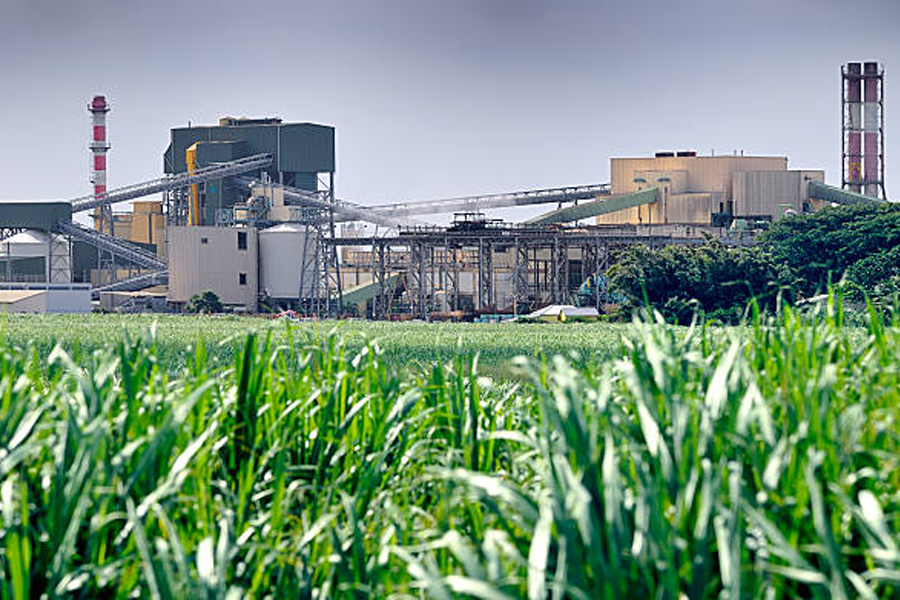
(863, 128)
(852, 117)
(99, 146)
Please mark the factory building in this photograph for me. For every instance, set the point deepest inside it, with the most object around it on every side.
(273, 256)
(224, 260)
(144, 224)
(708, 191)
(300, 152)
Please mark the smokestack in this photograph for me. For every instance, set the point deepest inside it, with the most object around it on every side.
(852, 126)
(863, 133)
(99, 146)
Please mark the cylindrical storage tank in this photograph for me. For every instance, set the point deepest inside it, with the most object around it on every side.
(281, 254)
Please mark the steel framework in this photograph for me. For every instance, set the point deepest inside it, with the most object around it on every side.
(539, 263)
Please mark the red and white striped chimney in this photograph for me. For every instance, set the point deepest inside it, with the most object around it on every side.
(99, 146)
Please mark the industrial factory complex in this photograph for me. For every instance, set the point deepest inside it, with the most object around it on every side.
(246, 209)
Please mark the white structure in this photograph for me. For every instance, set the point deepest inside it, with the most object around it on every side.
(281, 251)
(45, 297)
(53, 250)
(222, 260)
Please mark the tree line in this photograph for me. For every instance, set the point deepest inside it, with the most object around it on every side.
(856, 247)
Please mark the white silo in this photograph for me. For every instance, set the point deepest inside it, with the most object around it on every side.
(281, 253)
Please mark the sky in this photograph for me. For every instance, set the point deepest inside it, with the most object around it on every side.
(435, 98)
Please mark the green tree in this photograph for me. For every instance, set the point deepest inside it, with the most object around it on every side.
(714, 277)
(207, 302)
(824, 245)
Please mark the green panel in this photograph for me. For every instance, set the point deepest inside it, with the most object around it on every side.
(218, 195)
(367, 291)
(34, 215)
(595, 208)
(304, 181)
(209, 153)
(32, 266)
(828, 193)
(297, 147)
(306, 148)
(84, 258)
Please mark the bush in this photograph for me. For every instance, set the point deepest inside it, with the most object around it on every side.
(717, 279)
(206, 303)
(871, 275)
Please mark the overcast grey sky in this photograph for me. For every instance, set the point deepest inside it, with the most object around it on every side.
(438, 98)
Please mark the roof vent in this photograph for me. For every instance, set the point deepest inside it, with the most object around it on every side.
(238, 121)
(665, 154)
(686, 153)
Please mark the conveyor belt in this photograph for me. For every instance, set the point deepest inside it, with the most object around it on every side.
(133, 284)
(483, 202)
(349, 212)
(829, 193)
(596, 208)
(133, 254)
(174, 182)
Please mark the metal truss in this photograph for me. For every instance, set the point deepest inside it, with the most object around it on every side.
(483, 202)
(559, 274)
(59, 259)
(8, 232)
(173, 182)
(320, 292)
(118, 248)
(486, 300)
(132, 284)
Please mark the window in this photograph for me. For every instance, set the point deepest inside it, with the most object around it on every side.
(242, 240)
(204, 240)
(242, 278)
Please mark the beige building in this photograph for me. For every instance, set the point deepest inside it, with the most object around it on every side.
(223, 260)
(694, 188)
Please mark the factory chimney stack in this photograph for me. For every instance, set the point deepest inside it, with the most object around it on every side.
(862, 98)
(99, 146)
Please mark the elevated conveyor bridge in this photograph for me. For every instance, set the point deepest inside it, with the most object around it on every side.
(120, 248)
(174, 182)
